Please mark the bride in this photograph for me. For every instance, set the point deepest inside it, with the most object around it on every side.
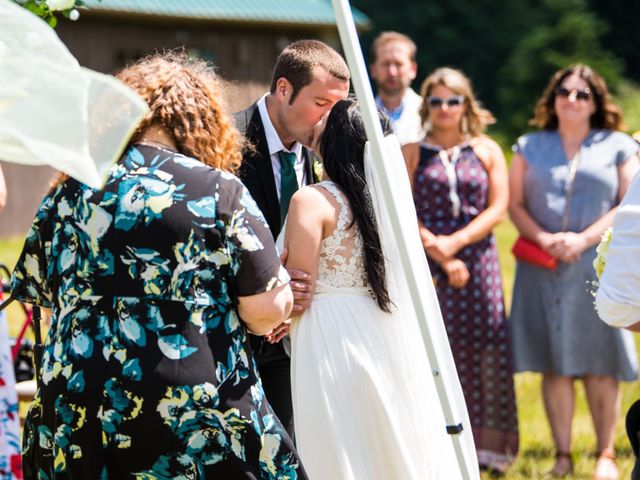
(365, 403)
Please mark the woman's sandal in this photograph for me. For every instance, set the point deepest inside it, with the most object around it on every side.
(563, 466)
(606, 468)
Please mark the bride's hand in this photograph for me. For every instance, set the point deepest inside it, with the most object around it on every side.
(457, 272)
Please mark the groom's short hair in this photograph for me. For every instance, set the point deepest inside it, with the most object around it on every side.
(297, 61)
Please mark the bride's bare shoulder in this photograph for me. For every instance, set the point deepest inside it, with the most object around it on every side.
(311, 198)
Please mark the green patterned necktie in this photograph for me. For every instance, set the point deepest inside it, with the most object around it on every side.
(288, 180)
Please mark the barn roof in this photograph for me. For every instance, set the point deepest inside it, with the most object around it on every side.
(276, 12)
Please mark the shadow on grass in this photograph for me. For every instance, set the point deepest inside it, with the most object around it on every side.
(536, 454)
(539, 453)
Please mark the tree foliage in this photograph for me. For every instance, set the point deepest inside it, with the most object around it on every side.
(566, 33)
(623, 35)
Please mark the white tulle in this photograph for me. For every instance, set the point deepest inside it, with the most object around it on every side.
(54, 112)
(431, 332)
(365, 402)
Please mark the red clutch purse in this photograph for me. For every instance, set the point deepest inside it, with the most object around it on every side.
(528, 251)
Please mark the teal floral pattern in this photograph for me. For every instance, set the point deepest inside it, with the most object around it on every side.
(146, 370)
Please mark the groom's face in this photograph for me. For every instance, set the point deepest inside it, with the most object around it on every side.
(299, 117)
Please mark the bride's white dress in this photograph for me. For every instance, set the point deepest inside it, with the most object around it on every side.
(364, 399)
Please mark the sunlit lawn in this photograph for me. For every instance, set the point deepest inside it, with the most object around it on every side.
(9, 252)
(536, 447)
(536, 450)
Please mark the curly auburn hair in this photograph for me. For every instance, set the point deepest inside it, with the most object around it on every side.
(184, 98)
(607, 115)
(475, 119)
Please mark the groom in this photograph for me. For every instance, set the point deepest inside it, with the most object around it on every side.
(308, 79)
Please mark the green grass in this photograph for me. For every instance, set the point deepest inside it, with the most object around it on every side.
(536, 447)
(9, 252)
(628, 97)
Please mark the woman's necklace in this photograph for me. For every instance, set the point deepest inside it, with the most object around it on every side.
(449, 158)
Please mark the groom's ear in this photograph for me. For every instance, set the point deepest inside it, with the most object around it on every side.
(283, 90)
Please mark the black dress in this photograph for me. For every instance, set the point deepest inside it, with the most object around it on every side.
(146, 371)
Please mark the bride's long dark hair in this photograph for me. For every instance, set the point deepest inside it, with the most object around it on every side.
(342, 149)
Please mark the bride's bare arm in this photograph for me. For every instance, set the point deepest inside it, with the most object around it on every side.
(309, 212)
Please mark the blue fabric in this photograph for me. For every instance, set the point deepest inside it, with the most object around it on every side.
(554, 325)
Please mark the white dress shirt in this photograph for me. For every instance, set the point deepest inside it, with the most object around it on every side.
(275, 145)
(618, 296)
(407, 126)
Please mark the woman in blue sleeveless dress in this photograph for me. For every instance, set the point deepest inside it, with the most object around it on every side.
(556, 330)
(459, 179)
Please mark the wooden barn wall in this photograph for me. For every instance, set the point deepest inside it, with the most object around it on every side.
(26, 186)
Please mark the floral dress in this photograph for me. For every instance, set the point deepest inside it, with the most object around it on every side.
(474, 315)
(146, 371)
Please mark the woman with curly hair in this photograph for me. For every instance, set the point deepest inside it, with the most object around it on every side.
(566, 182)
(153, 283)
(459, 179)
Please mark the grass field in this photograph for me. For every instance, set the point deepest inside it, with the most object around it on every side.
(536, 448)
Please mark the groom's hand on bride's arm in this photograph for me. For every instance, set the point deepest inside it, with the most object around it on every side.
(300, 286)
(278, 333)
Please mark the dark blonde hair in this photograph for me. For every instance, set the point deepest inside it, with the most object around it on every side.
(185, 98)
(476, 118)
(607, 115)
(388, 37)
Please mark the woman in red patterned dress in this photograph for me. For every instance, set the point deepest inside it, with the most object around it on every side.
(460, 189)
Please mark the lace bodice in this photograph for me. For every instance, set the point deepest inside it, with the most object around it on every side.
(341, 263)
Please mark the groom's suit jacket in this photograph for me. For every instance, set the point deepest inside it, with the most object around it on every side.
(256, 171)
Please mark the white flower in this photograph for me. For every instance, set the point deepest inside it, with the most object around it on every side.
(74, 15)
(55, 5)
(602, 251)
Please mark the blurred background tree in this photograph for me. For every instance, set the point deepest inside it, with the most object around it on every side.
(510, 48)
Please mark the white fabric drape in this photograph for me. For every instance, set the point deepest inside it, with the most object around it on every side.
(617, 299)
(397, 277)
(54, 112)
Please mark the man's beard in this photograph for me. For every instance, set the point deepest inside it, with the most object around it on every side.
(392, 90)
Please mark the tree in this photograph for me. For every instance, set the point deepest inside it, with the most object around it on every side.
(474, 36)
(566, 33)
(623, 35)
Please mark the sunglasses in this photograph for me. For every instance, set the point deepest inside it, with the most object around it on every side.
(564, 92)
(437, 102)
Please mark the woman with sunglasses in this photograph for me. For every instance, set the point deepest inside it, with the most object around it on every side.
(459, 179)
(566, 181)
